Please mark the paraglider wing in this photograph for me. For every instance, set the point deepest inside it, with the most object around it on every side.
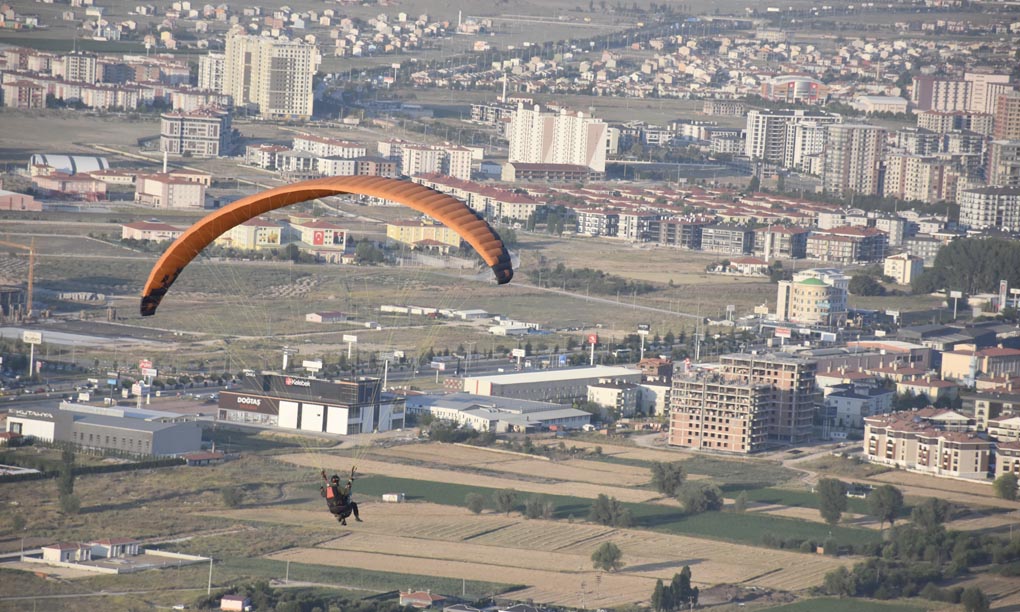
(446, 209)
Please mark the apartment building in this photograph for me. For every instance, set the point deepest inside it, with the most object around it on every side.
(597, 222)
(201, 133)
(903, 268)
(919, 441)
(272, 76)
(991, 208)
(966, 361)
(851, 160)
(1003, 168)
(921, 178)
(781, 242)
(942, 122)
(727, 239)
(1006, 120)
(719, 413)
(211, 68)
(169, 191)
(320, 146)
(566, 137)
(768, 134)
(940, 94)
(847, 245)
(680, 233)
(795, 399)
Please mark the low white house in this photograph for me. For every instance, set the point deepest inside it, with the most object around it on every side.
(111, 548)
(67, 552)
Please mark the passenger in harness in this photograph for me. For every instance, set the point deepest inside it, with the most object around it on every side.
(338, 498)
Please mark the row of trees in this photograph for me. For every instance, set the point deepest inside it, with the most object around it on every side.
(920, 555)
(972, 265)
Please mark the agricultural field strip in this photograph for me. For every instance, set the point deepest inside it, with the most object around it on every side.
(562, 588)
(429, 531)
(920, 485)
(578, 489)
(578, 470)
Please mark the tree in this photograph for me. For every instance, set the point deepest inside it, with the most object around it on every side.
(65, 479)
(1005, 486)
(837, 582)
(862, 284)
(657, 596)
(504, 500)
(607, 557)
(70, 504)
(475, 502)
(885, 504)
(698, 497)
(930, 514)
(232, 496)
(832, 501)
(18, 523)
(740, 503)
(538, 507)
(667, 478)
(754, 185)
(609, 511)
(975, 600)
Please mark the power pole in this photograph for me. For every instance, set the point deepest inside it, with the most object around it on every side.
(208, 588)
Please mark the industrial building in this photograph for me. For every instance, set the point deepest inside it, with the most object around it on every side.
(559, 385)
(345, 406)
(498, 414)
(129, 430)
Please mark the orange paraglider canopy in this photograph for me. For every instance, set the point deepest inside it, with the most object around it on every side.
(446, 209)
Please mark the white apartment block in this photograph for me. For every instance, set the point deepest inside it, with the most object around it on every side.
(202, 133)
(169, 191)
(566, 137)
(271, 75)
(769, 134)
(990, 208)
(985, 89)
(210, 71)
(328, 147)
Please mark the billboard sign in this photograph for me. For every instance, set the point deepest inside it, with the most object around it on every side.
(438, 365)
(150, 372)
(519, 352)
(31, 337)
(1003, 290)
(784, 332)
(144, 364)
(644, 327)
(956, 294)
(350, 338)
(593, 338)
(312, 364)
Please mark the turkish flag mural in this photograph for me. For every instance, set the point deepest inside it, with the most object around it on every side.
(318, 238)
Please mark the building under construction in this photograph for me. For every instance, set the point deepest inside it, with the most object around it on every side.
(745, 403)
(13, 301)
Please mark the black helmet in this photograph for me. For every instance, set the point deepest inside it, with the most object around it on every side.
(335, 478)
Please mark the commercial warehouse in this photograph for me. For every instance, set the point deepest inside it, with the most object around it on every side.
(498, 414)
(139, 432)
(560, 385)
(345, 406)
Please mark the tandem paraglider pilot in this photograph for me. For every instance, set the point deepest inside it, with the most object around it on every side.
(338, 498)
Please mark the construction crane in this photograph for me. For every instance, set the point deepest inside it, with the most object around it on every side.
(31, 269)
